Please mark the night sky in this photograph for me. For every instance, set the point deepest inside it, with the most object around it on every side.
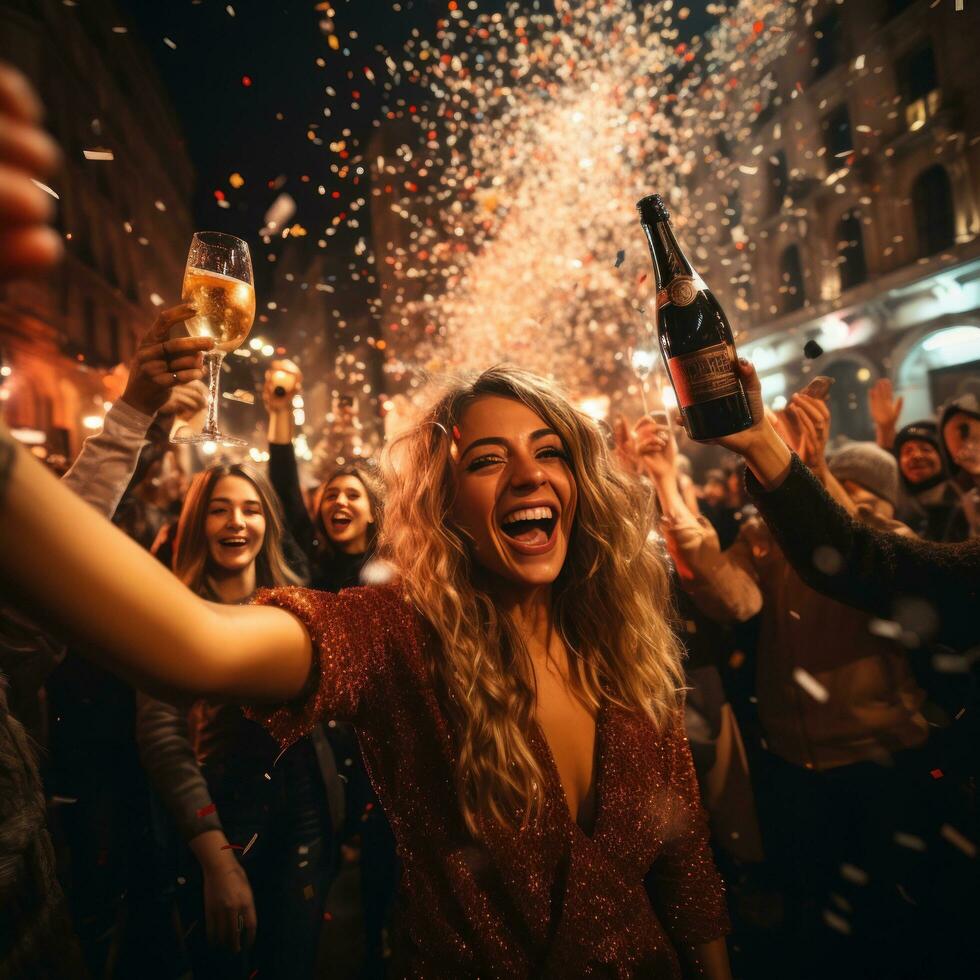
(248, 89)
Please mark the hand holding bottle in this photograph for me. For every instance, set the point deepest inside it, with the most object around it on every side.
(283, 381)
(767, 455)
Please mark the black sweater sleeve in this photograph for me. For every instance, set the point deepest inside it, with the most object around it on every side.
(284, 476)
(871, 569)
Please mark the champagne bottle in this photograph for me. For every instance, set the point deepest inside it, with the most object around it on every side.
(695, 337)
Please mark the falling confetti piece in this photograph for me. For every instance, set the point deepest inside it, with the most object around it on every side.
(620, 257)
(98, 154)
(246, 81)
(45, 188)
(250, 844)
(170, 44)
(954, 837)
(836, 922)
(236, 180)
(909, 841)
(811, 685)
(812, 350)
(855, 875)
(231, 10)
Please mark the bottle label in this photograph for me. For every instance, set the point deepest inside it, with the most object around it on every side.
(680, 291)
(706, 374)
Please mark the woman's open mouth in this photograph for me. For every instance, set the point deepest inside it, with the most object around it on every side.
(236, 543)
(530, 530)
(340, 521)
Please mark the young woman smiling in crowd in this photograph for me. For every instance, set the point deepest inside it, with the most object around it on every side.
(218, 773)
(517, 693)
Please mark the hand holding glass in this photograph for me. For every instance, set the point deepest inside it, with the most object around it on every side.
(218, 284)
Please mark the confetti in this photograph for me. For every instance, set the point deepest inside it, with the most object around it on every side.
(853, 874)
(836, 922)
(170, 44)
(45, 188)
(206, 811)
(953, 836)
(98, 154)
(812, 350)
(811, 685)
(909, 841)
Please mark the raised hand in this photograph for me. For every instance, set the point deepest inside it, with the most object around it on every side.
(656, 448)
(28, 245)
(624, 446)
(885, 411)
(186, 401)
(161, 364)
(283, 381)
(811, 423)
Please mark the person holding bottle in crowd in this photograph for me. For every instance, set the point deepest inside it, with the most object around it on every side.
(846, 763)
(339, 541)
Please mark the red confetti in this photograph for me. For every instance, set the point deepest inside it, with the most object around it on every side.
(936, 773)
(219, 195)
(246, 81)
(207, 810)
(758, 27)
(328, 916)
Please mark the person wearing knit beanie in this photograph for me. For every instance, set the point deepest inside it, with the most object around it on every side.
(921, 465)
(959, 427)
(869, 474)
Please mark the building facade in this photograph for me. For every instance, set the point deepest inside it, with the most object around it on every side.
(124, 192)
(847, 213)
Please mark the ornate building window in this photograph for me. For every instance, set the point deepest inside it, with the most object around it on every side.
(778, 180)
(828, 49)
(791, 290)
(918, 83)
(850, 251)
(935, 219)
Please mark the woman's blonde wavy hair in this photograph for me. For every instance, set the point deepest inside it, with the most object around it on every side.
(611, 601)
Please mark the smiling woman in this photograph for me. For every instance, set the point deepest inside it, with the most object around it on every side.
(516, 692)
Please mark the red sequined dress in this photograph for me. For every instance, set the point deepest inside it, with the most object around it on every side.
(549, 901)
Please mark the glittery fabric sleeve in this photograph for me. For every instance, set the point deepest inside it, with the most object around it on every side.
(684, 886)
(354, 635)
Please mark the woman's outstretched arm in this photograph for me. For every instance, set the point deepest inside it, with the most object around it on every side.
(74, 569)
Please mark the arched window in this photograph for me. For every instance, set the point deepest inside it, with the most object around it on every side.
(850, 251)
(932, 201)
(791, 291)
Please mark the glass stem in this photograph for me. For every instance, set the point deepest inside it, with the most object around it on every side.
(213, 361)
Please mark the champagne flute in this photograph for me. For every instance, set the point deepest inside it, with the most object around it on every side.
(218, 284)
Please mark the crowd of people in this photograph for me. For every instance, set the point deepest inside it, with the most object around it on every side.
(563, 708)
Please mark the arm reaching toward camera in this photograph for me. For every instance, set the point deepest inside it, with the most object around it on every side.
(71, 565)
(845, 559)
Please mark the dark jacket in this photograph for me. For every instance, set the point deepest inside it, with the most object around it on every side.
(873, 570)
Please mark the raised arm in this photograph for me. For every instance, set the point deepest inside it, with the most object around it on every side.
(162, 377)
(70, 565)
(847, 560)
(282, 384)
(721, 583)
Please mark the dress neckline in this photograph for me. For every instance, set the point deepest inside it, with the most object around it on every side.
(595, 782)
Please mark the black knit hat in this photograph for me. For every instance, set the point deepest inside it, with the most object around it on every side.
(925, 430)
(968, 404)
